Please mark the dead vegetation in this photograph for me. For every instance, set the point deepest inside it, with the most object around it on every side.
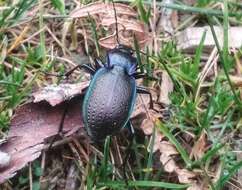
(191, 140)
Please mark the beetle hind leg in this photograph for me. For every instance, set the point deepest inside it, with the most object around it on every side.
(128, 150)
(143, 90)
(61, 125)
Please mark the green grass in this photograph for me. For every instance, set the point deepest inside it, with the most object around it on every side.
(213, 109)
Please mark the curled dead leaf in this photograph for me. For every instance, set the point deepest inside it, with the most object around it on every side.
(54, 94)
(185, 176)
(158, 137)
(196, 186)
(165, 89)
(102, 8)
(147, 126)
(110, 41)
(126, 23)
(31, 125)
(199, 147)
(167, 148)
(236, 80)
(168, 163)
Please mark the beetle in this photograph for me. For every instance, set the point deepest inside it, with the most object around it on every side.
(111, 95)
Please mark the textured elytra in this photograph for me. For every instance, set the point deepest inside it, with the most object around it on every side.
(109, 101)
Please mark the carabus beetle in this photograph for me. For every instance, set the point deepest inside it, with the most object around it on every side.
(111, 95)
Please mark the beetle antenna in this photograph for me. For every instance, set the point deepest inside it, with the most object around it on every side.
(116, 23)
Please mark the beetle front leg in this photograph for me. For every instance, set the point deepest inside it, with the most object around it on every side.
(143, 90)
(98, 63)
(87, 68)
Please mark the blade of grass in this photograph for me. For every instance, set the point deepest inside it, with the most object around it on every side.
(173, 140)
(104, 165)
(137, 51)
(42, 33)
(197, 63)
(119, 184)
(227, 175)
(222, 56)
(188, 9)
(150, 157)
(209, 154)
(94, 34)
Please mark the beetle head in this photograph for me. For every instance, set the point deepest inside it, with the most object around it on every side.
(122, 56)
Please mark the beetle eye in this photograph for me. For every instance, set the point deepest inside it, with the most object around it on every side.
(132, 69)
(108, 66)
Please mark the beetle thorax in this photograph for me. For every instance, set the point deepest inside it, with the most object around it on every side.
(122, 59)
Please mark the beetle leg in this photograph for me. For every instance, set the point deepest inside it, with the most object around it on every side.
(143, 90)
(87, 68)
(139, 75)
(60, 129)
(128, 150)
(98, 63)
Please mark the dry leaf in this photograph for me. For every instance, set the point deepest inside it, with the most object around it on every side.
(166, 21)
(31, 125)
(158, 137)
(102, 8)
(167, 148)
(236, 80)
(110, 41)
(54, 94)
(199, 147)
(165, 89)
(185, 176)
(169, 163)
(126, 23)
(196, 186)
(147, 126)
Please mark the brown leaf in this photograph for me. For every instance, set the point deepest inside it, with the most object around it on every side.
(31, 125)
(102, 8)
(126, 23)
(185, 176)
(147, 126)
(196, 186)
(158, 137)
(199, 147)
(165, 89)
(168, 162)
(167, 148)
(110, 41)
(236, 80)
(54, 94)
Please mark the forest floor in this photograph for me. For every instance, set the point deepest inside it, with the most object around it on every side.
(190, 52)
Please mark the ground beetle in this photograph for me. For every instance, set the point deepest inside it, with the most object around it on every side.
(111, 95)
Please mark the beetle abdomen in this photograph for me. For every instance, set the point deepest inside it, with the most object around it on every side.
(109, 102)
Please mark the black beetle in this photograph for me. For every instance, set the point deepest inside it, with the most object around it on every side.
(111, 95)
